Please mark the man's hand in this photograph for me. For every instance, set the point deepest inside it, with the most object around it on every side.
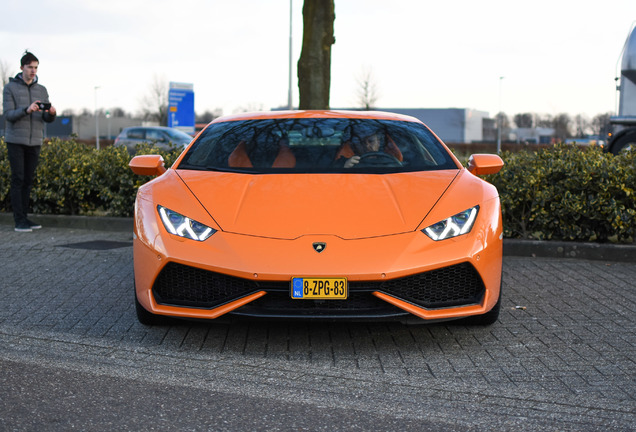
(33, 107)
(352, 161)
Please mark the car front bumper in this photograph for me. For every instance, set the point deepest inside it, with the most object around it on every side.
(389, 276)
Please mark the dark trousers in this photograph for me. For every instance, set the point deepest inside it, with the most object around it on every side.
(23, 160)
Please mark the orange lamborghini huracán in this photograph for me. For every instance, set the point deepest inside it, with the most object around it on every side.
(318, 215)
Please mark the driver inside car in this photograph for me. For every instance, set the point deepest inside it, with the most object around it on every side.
(373, 143)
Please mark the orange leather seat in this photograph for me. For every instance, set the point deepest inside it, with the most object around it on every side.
(240, 159)
(285, 158)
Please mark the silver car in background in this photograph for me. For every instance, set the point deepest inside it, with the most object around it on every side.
(164, 138)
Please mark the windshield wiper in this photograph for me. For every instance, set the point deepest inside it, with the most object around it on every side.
(193, 167)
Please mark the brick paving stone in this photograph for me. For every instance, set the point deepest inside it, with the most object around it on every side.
(564, 348)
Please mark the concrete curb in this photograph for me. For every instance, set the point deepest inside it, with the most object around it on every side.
(512, 247)
(562, 249)
(96, 223)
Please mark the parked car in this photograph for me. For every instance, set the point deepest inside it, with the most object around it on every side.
(164, 138)
(318, 215)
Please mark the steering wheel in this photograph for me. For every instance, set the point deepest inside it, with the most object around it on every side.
(378, 159)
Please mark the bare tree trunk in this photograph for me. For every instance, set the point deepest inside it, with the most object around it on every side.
(314, 66)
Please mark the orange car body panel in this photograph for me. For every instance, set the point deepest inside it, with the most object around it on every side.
(266, 225)
(338, 204)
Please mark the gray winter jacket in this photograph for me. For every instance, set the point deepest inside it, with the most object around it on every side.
(20, 127)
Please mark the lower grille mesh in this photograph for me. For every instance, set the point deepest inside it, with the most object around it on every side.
(449, 286)
(181, 285)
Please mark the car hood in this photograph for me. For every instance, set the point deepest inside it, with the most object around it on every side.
(292, 205)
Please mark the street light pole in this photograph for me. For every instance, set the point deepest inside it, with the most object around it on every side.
(499, 119)
(108, 122)
(96, 121)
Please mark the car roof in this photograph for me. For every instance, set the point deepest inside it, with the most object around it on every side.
(374, 115)
(149, 127)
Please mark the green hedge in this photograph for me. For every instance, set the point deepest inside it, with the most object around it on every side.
(565, 193)
(558, 193)
(73, 178)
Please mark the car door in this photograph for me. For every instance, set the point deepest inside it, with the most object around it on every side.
(133, 137)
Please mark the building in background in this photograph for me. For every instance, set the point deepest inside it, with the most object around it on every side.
(535, 135)
(452, 125)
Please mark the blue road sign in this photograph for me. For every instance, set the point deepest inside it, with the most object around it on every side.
(181, 107)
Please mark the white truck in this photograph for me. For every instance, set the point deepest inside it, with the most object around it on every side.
(623, 125)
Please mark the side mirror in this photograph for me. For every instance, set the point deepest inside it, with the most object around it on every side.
(147, 165)
(483, 164)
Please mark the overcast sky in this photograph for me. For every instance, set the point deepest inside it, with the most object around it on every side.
(556, 56)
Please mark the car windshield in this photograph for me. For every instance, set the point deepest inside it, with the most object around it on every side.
(317, 145)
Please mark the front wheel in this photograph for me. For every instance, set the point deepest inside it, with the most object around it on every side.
(625, 143)
(488, 318)
(147, 318)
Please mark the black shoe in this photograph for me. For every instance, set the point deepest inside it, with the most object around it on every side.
(23, 227)
(33, 225)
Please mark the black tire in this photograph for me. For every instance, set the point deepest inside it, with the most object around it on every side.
(147, 318)
(624, 143)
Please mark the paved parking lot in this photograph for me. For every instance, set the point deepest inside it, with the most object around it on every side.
(561, 357)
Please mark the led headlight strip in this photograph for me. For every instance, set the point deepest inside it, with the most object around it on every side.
(183, 226)
(456, 225)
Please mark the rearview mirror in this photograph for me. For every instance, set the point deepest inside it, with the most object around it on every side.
(148, 165)
(483, 164)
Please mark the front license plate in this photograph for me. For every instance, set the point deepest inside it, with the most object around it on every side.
(319, 288)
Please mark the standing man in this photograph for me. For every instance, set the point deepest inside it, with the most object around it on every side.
(26, 107)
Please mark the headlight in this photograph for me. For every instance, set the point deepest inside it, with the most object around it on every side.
(454, 226)
(182, 226)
